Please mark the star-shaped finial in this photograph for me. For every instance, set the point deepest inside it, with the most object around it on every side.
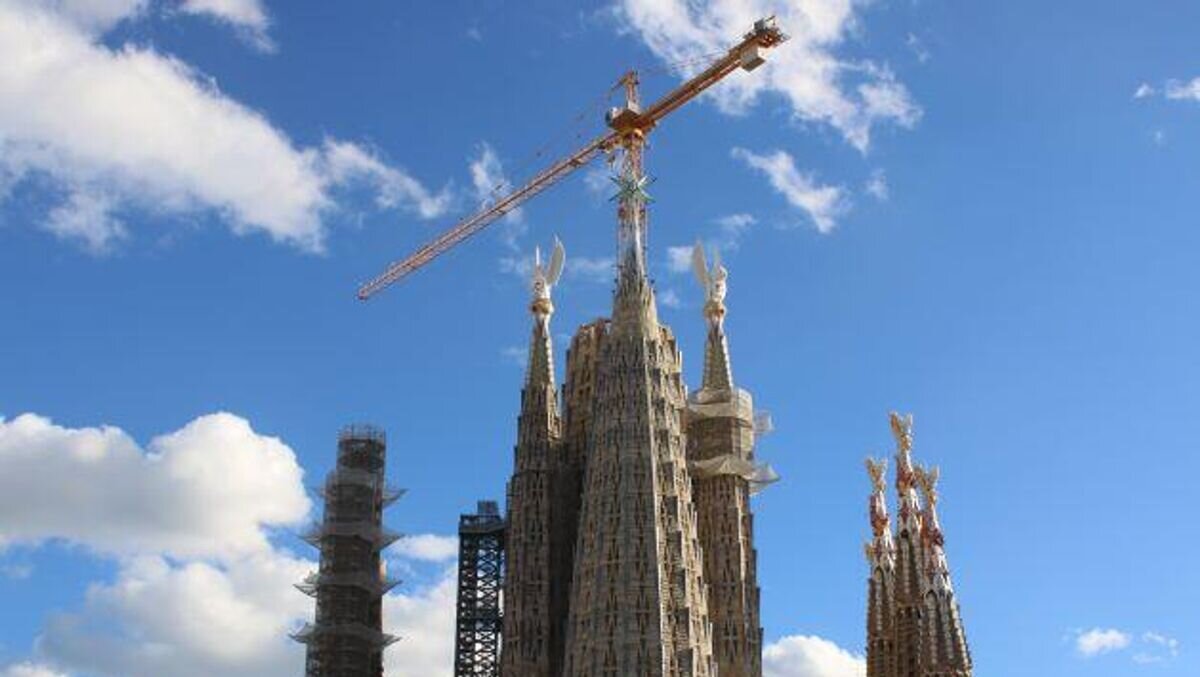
(629, 187)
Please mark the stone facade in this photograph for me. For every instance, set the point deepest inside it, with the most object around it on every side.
(630, 535)
(721, 454)
(639, 600)
(530, 626)
(914, 628)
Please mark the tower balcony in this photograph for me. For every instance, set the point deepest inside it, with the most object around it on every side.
(378, 536)
(312, 633)
(377, 585)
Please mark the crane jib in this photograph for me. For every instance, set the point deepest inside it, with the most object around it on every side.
(746, 55)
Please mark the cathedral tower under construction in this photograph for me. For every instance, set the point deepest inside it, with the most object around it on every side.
(347, 638)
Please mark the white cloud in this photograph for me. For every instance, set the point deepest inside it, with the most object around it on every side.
(809, 656)
(1157, 648)
(670, 299)
(1144, 90)
(518, 264)
(596, 269)
(248, 16)
(823, 204)
(30, 670)
(1177, 90)
(918, 48)
(214, 488)
(877, 186)
(736, 222)
(515, 355)
(195, 619)
(98, 15)
(424, 621)
(198, 589)
(87, 217)
(820, 86)
(598, 181)
(427, 547)
(732, 228)
(1169, 643)
(17, 571)
(186, 620)
(490, 183)
(346, 163)
(1099, 641)
(679, 259)
(147, 130)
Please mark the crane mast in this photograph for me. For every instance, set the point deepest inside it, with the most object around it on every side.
(629, 126)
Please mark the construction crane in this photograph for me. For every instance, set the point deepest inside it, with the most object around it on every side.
(629, 126)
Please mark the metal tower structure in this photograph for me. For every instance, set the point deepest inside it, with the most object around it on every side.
(480, 579)
(347, 638)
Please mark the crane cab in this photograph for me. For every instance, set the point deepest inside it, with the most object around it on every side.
(752, 57)
(625, 117)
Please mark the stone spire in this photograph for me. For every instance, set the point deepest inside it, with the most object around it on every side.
(639, 603)
(881, 557)
(910, 558)
(944, 650)
(528, 623)
(718, 375)
(720, 437)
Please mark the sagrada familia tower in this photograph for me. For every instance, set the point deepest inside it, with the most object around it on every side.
(630, 536)
(914, 628)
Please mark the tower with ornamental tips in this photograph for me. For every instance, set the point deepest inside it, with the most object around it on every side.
(630, 535)
(914, 627)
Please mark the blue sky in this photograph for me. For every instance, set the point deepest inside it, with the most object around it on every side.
(982, 213)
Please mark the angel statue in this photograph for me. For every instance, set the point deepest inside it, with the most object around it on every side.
(545, 277)
(927, 480)
(877, 469)
(712, 280)
(902, 430)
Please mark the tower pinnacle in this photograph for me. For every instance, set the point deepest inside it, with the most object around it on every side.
(881, 557)
(718, 376)
(945, 649)
(528, 626)
(541, 356)
(914, 628)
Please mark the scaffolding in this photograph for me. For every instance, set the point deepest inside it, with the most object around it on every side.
(480, 580)
(347, 638)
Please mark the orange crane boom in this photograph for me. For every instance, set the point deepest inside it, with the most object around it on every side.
(626, 123)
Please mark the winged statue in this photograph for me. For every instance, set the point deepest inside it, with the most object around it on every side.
(902, 429)
(545, 276)
(877, 469)
(713, 280)
(927, 479)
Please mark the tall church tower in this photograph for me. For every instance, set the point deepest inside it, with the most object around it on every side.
(910, 560)
(530, 629)
(638, 604)
(944, 650)
(720, 437)
(881, 586)
(914, 627)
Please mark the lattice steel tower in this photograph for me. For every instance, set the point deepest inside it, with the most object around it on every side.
(347, 638)
(480, 578)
